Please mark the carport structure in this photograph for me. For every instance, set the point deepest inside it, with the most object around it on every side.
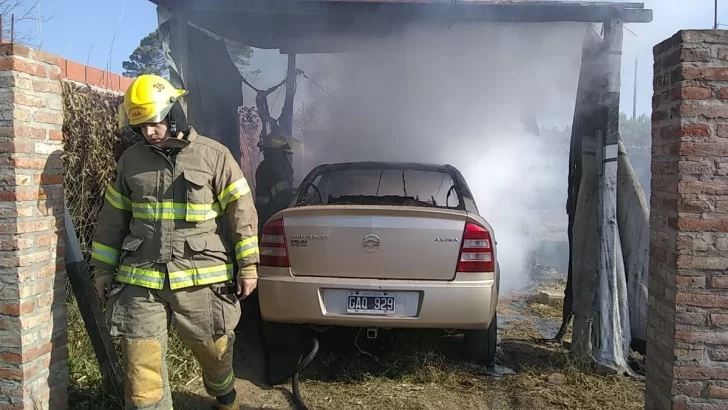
(604, 310)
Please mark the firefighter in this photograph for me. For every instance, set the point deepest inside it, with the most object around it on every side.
(161, 253)
(274, 174)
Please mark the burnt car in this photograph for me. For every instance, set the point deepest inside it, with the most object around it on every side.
(382, 245)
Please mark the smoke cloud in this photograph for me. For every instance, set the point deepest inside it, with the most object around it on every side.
(457, 94)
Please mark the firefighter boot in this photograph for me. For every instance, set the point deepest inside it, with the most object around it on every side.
(228, 402)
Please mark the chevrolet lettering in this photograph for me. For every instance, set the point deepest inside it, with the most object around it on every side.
(320, 237)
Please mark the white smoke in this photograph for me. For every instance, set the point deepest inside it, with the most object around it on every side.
(457, 95)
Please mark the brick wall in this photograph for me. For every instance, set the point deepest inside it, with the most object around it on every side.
(33, 352)
(73, 71)
(687, 357)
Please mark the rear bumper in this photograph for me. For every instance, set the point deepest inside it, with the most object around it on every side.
(468, 302)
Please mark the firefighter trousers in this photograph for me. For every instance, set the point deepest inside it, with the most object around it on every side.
(205, 316)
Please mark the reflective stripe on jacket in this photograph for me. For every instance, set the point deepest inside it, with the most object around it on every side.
(279, 187)
(176, 210)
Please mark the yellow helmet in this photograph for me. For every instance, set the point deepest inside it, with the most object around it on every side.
(277, 140)
(149, 98)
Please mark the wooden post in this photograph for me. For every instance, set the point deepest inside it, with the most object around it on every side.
(286, 122)
(715, 16)
(610, 312)
(91, 312)
(634, 94)
(587, 98)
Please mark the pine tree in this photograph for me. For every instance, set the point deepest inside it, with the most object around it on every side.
(148, 58)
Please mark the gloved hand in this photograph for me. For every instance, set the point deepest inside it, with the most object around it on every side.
(247, 281)
(103, 283)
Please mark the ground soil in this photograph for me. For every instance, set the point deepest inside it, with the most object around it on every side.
(398, 370)
(426, 370)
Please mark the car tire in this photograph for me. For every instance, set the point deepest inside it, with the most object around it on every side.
(480, 345)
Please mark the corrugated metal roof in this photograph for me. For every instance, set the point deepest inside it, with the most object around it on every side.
(554, 3)
(550, 3)
(282, 24)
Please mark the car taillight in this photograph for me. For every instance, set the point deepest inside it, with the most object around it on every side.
(273, 249)
(476, 251)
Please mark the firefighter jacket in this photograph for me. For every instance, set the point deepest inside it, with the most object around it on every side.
(174, 209)
(273, 175)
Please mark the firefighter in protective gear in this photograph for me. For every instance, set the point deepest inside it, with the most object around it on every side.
(177, 218)
(274, 174)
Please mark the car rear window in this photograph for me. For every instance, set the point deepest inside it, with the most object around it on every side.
(403, 187)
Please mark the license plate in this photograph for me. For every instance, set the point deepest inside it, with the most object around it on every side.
(370, 303)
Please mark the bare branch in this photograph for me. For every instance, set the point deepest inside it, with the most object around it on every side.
(23, 11)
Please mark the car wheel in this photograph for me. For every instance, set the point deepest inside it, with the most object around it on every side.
(480, 345)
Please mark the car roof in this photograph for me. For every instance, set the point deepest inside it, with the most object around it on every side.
(415, 166)
(463, 189)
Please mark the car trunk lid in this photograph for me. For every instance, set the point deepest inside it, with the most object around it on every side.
(374, 242)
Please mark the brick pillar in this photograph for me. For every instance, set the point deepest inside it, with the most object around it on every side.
(687, 353)
(33, 353)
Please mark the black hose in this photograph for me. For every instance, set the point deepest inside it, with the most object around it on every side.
(303, 362)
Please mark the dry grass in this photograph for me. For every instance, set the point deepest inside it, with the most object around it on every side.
(552, 311)
(579, 388)
(404, 370)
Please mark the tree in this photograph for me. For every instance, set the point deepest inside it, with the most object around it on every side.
(148, 58)
(637, 136)
(636, 131)
(18, 13)
(240, 54)
(305, 118)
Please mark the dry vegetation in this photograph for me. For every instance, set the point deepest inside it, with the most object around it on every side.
(403, 370)
(91, 149)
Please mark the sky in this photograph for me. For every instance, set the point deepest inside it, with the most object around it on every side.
(83, 30)
(103, 33)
